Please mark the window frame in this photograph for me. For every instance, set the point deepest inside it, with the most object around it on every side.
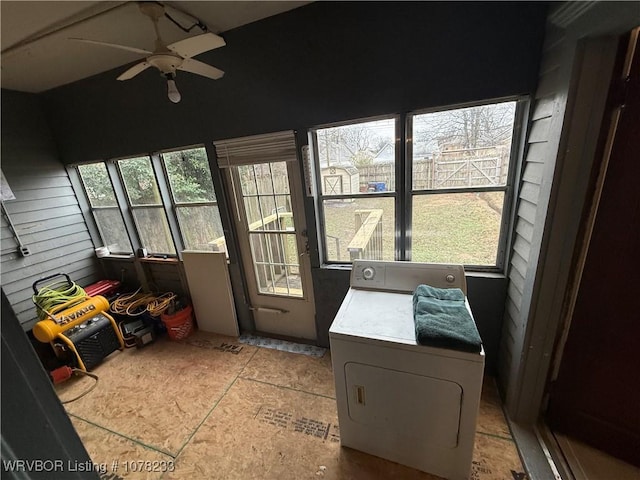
(404, 194)
(95, 228)
(159, 179)
(321, 197)
(167, 204)
(175, 205)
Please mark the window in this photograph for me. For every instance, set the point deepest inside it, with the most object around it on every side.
(146, 205)
(356, 166)
(164, 203)
(194, 199)
(447, 204)
(104, 207)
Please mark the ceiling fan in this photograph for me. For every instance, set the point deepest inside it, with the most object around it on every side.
(170, 58)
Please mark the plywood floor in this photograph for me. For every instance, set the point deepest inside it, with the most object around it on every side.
(213, 408)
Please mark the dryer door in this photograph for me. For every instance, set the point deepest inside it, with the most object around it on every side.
(406, 405)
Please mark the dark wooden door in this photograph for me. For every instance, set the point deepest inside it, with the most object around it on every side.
(596, 397)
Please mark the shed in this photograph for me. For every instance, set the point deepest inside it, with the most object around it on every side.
(340, 180)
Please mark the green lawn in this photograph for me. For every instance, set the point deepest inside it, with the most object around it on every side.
(447, 228)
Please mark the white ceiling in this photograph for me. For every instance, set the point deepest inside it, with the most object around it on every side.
(37, 54)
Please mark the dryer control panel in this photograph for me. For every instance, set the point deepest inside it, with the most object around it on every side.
(406, 276)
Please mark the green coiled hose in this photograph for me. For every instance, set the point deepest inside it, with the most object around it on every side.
(57, 293)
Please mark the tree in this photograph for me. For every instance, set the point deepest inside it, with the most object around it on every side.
(139, 180)
(464, 128)
(355, 144)
(190, 179)
(362, 159)
(97, 184)
(189, 175)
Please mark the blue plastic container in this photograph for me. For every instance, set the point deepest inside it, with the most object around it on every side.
(377, 186)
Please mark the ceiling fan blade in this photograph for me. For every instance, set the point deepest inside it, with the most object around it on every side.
(192, 46)
(113, 45)
(200, 68)
(135, 70)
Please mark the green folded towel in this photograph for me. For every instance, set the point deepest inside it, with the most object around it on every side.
(442, 319)
(439, 293)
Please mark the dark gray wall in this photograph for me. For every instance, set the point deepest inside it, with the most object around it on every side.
(486, 295)
(329, 289)
(324, 62)
(45, 212)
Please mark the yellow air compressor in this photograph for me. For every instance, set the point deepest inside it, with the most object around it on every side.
(84, 327)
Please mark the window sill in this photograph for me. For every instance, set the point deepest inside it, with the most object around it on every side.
(335, 266)
(468, 273)
(159, 260)
(117, 257)
(479, 274)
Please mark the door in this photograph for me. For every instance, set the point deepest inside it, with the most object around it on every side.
(404, 405)
(596, 396)
(270, 225)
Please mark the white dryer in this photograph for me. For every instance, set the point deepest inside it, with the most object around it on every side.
(408, 403)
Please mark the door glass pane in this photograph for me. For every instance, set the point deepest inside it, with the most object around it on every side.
(275, 257)
(139, 181)
(269, 212)
(283, 206)
(471, 238)
(359, 228)
(201, 228)
(272, 236)
(357, 158)
(280, 178)
(266, 209)
(154, 230)
(97, 185)
(464, 147)
(189, 176)
(112, 230)
(252, 211)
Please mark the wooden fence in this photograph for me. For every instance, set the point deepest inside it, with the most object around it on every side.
(451, 169)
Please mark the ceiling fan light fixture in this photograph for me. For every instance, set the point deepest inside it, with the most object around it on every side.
(172, 90)
(168, 59)
(165, 62)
